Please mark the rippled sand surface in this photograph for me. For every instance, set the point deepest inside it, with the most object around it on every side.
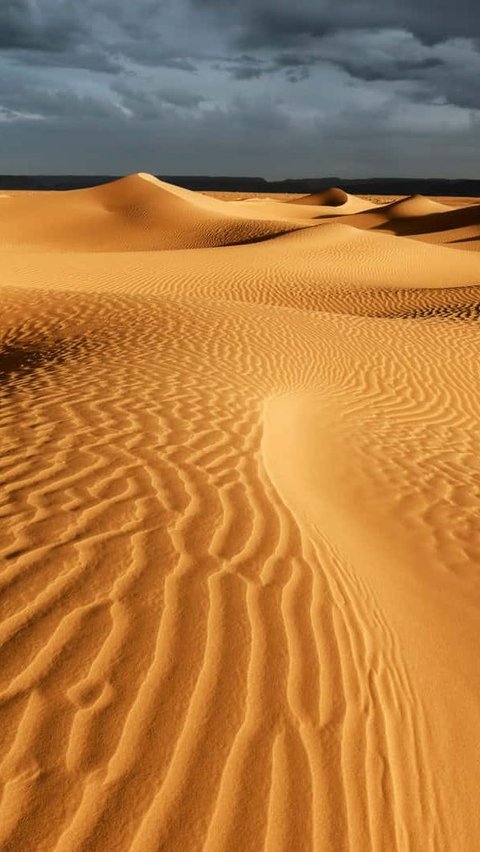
(240, 522)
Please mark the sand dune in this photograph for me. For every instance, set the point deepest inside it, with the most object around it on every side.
(331, 202)
(414, 206)
(332, 197)
(425, 220)
(307, 268)
(334, 201)
(141, 213)
(240, 539)
(137, 213)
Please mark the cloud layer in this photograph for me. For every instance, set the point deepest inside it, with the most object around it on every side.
(266, 87)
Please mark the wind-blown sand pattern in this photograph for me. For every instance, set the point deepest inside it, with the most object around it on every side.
(240, 523)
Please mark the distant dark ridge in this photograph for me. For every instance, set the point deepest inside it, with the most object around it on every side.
(49, 182)
(362, 186)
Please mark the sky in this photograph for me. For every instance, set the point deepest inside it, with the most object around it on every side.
(304, 88)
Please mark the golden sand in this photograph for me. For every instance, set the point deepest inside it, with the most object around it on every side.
(240, 528)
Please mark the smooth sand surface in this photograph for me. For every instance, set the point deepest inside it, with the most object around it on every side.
(240, 529)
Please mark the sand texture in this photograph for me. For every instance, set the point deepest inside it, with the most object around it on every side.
(240, 522)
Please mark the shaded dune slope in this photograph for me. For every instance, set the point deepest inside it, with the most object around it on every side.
(422, 219)
(141, 213)
(332, 197)
(297, 269)
(414, 206)
(240, 543)
(131, 214)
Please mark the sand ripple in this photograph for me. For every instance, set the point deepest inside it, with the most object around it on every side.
(240, 540)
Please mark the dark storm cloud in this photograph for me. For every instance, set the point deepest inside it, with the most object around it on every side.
(273, 21)
(446, 70)
(103, 35)
(77, 57)
(22, 102)
(352, 85)
(98, 35)
(50, 26)
(150, 105)
(295, 67)
(396, 69)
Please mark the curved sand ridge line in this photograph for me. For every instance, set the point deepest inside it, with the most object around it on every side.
(327, 267)
(137, 213)
(333, 196)
(414, 206)
(141, 213)
(386, 470)
(339, 202)
(239, 591)
(426, 220)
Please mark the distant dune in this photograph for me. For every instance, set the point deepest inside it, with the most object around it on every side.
(333, 197)
(423, 219)
(240, 521)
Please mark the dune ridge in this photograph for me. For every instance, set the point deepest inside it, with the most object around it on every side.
(422, 219)
(240, 540)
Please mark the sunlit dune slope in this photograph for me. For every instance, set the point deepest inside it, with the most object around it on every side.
(330, 203)
(425, 220)
(141, 213)
(240, 538)
(137, 213)
(298, 269)
(414, 206)
(334, 197)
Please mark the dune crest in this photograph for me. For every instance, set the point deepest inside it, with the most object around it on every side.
(331, 197)
(425, 220)
(136, 213)
(414, 206)
(240, 540)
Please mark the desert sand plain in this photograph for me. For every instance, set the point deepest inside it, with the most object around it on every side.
(240, 529)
